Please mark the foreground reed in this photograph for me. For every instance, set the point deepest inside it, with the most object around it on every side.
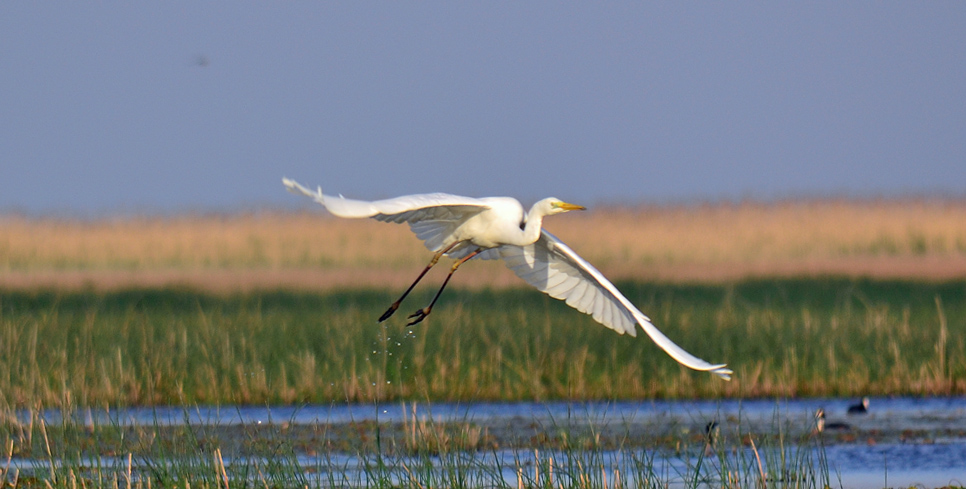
(815, 337)
(568, 453)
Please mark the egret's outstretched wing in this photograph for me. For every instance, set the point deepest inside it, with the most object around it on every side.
(554, 268)
(408, 208)
(433, 217)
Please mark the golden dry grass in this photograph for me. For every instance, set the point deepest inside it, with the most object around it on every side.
(898, 238)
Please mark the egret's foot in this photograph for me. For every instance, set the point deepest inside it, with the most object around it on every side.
(389, 312)
(419, 315)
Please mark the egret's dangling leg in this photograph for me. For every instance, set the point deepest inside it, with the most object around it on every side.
(422, 313)
(395, 305)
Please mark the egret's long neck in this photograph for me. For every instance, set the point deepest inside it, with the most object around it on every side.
(531, 231)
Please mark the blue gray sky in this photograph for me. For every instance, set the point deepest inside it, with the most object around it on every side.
(134, 107)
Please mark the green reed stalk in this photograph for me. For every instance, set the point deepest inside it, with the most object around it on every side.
(782, 337)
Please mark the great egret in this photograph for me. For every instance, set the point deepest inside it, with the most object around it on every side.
(497, 228)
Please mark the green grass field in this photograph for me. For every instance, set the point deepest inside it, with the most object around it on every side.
(804, 337)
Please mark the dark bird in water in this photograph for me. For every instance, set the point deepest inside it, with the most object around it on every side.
(861, 408)
(821, 425)
(711, 433)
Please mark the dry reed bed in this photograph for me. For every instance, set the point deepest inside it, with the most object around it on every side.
(902, 238)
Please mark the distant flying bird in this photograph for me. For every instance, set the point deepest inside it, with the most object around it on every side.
(497, 228)
(861, 408)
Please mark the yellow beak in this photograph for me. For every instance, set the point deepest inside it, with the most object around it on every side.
(570, 207)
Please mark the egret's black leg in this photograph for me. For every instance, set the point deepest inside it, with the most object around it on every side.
(422, 313)
(395, 305)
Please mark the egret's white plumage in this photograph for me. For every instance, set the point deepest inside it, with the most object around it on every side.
(497, 227)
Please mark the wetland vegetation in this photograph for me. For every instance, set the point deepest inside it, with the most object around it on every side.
(579, 450)
(908, 238)
(280, 309)
(788, 337)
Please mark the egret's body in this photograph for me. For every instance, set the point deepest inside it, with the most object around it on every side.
(497, 224)
(498, 228)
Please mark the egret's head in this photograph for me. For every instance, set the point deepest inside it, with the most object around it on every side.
(556, 206)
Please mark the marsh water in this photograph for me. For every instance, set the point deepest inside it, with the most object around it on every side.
(900, 441)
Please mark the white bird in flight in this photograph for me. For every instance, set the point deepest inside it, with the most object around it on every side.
(497, 227)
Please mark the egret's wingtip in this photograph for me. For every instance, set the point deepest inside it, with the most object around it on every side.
(724, 373)
(298, 189)
(291, 185)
